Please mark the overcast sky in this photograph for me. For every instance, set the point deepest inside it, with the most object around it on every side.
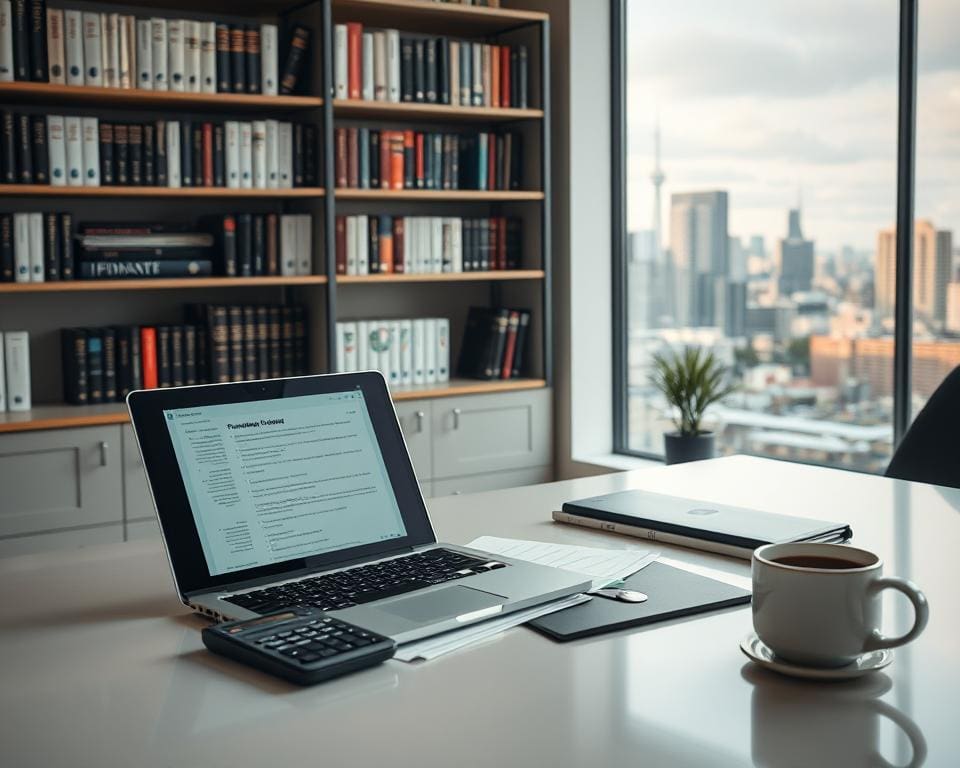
(763, 98)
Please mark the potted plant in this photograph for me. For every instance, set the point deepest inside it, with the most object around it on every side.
(691, 381)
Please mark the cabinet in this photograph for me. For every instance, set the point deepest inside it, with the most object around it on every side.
(137, 504)
(415, 423)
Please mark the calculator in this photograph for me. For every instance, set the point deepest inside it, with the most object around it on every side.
(301, 644)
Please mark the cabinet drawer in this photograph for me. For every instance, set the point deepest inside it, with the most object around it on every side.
(60, 479)
(135, 530)
(47, 542)
(415, 420)
(491, 433)
(136, 493)
(492, 481)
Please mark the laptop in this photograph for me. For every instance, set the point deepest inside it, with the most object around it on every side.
(301, 491)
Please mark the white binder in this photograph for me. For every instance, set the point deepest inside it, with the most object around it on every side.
(231, 132)
(21, 247)
(259, 154)
(340, 60)
(144, 56)
(73, 140)
(158, 55)
(273, 156)
(304, 244)
(246, 155)
(73, 47)
(90, 128)
(173, 154)
(36, 247)
(92, 51)
(208, 56)
(285, 155)
(288, 245)
(269, 59)
(176, 61)
(6, 42)
(393, 65)
(57, 150)
(16, 352)
(191, 56)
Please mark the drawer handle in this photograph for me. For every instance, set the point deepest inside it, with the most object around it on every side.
(420, 416)
(456, 418)
(104, 447)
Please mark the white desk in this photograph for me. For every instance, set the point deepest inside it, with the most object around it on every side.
(102, 667)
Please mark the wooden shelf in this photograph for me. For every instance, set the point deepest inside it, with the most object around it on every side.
(47, 190)
(427, 16)
(445, 277)
(71, 286)
(416, 111)
(69, 416)
(47, 93)
(438, 195)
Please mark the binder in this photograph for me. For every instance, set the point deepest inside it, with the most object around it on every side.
(246, 155)
(269, 59)
(430, 348)
(144, 79)
(55, 48)
(406, 352)
(232, 153)
(259, 154)
(393, 66)
(304, 244)
(393, 329)
(36, 241)
(671, 593)
(340, 60)
(16, 352)
(57, 150)
(21, 247)
(380, 76)
(288, 245)
(272, 153)
(419, 351)
(158, 55)
(73, 47)
(173, 154)
(90, 130)
(3, 373)
(177, 57)
(191, 55)
(285, 155)
(6, 44)
(126, 44)
(208, 56)
(73, 140)
(443, 349)
(110, 49)
(366, 67)
(92, 51)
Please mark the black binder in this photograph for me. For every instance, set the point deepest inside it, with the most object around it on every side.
(672, 592)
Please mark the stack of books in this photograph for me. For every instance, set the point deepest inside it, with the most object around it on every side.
(110, 251)
(36, 247)
(15, 371)
(382, 65)
(493, 343)
(407, 352)
(216, 343)
(425, 244)
(114, 50)
(367, 158)
(83, 151)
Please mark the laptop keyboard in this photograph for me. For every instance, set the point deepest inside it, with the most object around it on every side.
(367, 583)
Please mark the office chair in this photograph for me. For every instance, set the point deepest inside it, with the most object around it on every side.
(930, 451)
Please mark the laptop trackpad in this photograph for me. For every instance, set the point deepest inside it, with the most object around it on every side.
(443, 604)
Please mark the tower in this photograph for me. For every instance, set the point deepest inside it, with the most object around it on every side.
(657, 177)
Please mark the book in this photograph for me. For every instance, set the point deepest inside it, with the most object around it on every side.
(443, 349)
(144, 56)
(272, 235)
(21, 247)
(288, 245)
(66, 246)
(39, 71)
(430, 71)
(6, 57)
(91, 151)
(419, 71)
(24, 150)
(110, 49)
(191, 55)
(135, 154)
(108, 339)
(8, 148)
(39, 154)
(148, 357)
(269, 79)
(224, 78)
(366, 67)
(219, 157)
(176, 55)
(235, 341)
(272, 153)
(354, 58)
(259, 244)
(141, 269)
(304, 225)
(393, 66)
(51, 248)
(232, 153)
(296, 59)
(208, 57)
(73, 47)
(284, 155)
(21, 39)
(149, 155)
(95, 393)
(56, 52)
(173, 154)
(37, 266)
(159, 54)
(245, 244)
(341, 58)
(245, 150)
(196, 154)
(164, 358)
(6, 250)
(259, 154)
(73, 356)
(251, 37)
(16, 353)
(128, 42)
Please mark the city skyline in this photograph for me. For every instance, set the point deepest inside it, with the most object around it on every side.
(772, 112)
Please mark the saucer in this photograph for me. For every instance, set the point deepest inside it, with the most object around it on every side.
(753, 647)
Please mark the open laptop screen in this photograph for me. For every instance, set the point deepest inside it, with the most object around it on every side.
(292, 477)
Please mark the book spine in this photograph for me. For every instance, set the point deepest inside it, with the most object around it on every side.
(373, 245)
(109, 48)
(21, 40)
(341, 59)
(6, 59)
(148, 356)
(354, 56)
(206, 151)
(259, 154)
(219, 158)
(363, 245)
(56, 52)
(6, 250)
(399, 245)
(219, 343)
(246, 155)
(160, 153)
(505, 77)
(135, 154)
(36, 241)
(245, 244)
(261, 342)
(73, 348)
(466, 76)
(176, 355)
(232, 153)
(73, 47)
(453, 56)
(518, 354)
(269, 79)
(406, 352)
(51, 247)
(159, 54)
(208, 57)
(176, 62)
(149, 155)
(126, 47)
(251, 48)
(197, 158)
(173, 154)
(366, 66)
(228, 245)
(24, 150)
(419, 71)
(66, 246)
(275, 330)
(16, 348)
(144, 56)
(224, 78)
(185, 146)
(40, 155)
(340, 241)
(406, 69)
(8, 148)
(21, 247)
(272, 153)
(164, 367)
(288, 245)
(94, 367)
(522, 76)
(143, 269)
(109, 341)
(443, 70)
(39, 71)
(91, 151)
(287, 340)
(191, 55)
(309, 155)
(235, 321)
(296, 57)
(272, 247)
(284, 155)
(124, 373)
(259, 247)
(430, 71)
(393, 66)
(304, 223)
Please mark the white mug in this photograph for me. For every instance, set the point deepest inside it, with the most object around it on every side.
(825, 612)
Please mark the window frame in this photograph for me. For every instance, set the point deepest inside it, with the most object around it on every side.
(906, 171)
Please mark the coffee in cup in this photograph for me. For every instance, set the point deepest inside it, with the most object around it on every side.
(819, 604)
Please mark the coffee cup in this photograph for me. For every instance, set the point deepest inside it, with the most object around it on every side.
(819, 604)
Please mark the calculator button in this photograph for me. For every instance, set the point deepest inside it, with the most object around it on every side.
(284, 647)
(327, 652)
(284, 634)
(306, 658)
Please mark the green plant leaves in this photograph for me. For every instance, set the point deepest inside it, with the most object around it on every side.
(691, 381)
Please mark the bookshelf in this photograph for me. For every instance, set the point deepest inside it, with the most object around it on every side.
(41, 307)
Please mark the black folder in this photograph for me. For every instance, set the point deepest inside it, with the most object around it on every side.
(672, 593)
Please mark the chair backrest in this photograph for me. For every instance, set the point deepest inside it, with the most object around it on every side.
(930, 451)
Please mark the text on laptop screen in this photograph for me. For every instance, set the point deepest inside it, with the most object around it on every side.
(273, 480)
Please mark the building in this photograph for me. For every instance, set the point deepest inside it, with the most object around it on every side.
(870, 361)
(700, 252)
(952, 324)
(932, 272)
(795, 258)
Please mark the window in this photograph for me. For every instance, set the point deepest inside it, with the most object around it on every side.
(757, 211)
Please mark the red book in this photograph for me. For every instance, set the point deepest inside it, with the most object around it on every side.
(511, 345)
(341, 249)
(397, 141)
(418, 176)
(494, 75)
(208, 154)
(354, 55)
(148, 354)
(398, 244)
(385, 159)
(491, 161)
(505, 76)
(353, 158)
(341, 156)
